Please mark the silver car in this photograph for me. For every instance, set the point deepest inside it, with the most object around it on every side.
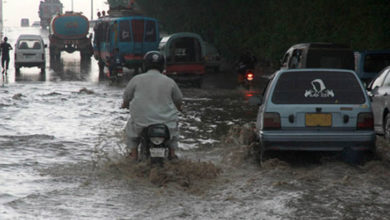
(379, 91)
(315, 110)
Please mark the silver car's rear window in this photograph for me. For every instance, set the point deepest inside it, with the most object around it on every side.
(317, 87)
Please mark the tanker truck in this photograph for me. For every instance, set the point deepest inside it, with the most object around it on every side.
(48, 9)
(70, 32)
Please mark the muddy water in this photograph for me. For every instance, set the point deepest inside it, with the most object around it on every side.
(63, 156)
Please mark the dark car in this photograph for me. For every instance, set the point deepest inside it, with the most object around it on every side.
(370, 62)
(379, 91)
(318, 55)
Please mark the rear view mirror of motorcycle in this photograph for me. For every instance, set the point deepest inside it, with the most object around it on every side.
(255, 100)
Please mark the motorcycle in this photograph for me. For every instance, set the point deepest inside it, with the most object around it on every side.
(245, 76)
(154, 144)
(115, 73)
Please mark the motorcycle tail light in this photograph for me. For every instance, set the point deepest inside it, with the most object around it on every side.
(365, 121)
(250, 76)
(157, 140)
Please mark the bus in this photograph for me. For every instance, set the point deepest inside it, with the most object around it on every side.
(133, 35)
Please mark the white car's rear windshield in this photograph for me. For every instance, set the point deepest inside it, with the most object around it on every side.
(29, 44)
(317, 87)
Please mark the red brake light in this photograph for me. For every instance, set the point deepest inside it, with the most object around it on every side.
(271, 121)
(250, 76)
(365, 121)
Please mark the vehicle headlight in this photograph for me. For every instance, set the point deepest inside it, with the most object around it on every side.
(157, 140)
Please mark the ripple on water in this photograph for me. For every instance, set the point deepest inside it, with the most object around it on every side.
(28, 137)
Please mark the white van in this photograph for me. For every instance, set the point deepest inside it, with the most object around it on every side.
(30, 52)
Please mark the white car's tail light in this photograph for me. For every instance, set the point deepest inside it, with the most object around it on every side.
(271, 121)
(365, 121)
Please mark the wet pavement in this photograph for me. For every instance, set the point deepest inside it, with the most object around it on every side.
(63, 156)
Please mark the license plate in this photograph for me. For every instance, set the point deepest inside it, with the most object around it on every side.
(157, 152)
(318, 120)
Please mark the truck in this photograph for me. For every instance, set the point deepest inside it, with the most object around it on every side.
(48, 9)
(69, 32)
(369, 63)
(120, 4)
(24, 22)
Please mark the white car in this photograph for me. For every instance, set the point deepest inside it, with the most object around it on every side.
(316, 110)
(30, 52)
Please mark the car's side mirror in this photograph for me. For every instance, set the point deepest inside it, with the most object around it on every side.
(255, 100)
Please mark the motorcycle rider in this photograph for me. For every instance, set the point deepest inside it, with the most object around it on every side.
(115, 60)
(152, 98)
(245, 62)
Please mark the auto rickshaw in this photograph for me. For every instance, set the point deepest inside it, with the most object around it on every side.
(184, 53)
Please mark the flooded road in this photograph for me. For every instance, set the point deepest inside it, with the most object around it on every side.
(63, 156)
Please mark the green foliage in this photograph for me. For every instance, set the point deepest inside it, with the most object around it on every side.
(269, 27)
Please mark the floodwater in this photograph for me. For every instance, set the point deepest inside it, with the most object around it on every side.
(63, 156)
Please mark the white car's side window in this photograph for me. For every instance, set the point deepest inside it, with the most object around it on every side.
(379, 81)
(387, 79)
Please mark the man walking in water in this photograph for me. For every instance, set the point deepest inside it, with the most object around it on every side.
(5, 48)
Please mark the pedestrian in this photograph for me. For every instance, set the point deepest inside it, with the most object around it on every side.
(152, 98)
(5, 48)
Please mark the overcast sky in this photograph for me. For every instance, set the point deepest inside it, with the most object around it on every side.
(14, 10)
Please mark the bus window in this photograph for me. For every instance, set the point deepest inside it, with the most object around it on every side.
(105, 33)
(124, 28)
(150, 32)
(113, 32)
(138, 30)
(110, 31)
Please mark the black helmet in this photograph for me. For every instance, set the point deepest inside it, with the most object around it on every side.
(154, 60)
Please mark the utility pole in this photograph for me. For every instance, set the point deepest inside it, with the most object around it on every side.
(91, 10)
(1, 19)
(72, 5)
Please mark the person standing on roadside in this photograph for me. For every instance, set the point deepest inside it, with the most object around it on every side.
(5, 48)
